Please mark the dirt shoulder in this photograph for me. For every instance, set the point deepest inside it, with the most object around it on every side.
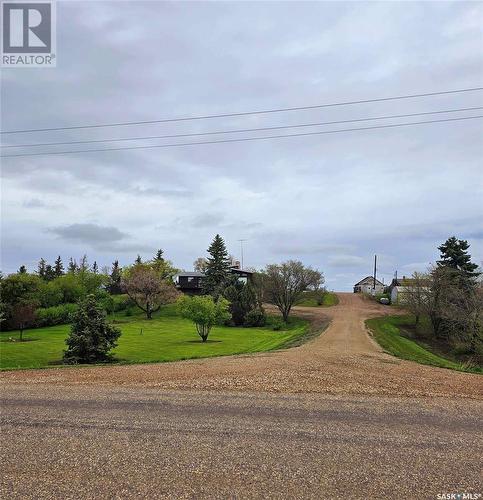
(343, 360)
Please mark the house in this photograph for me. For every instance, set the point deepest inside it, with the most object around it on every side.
(366, 285)
(191, 282)
(401, 287)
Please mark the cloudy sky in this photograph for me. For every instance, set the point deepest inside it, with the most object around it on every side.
(331, 200)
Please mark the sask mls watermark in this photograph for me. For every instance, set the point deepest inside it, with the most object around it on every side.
(28, 34)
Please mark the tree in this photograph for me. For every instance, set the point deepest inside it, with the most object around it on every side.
(159, 256)
(49, 274)
(83, 264)
(147, 290)
(114, 285)
(242, 300)
(138, 260)
(91, 337)
(284, 284)
(72, 267)
(200, 264)
(204, 312)
(95, 267)
(22, 270)
(416, 295)
(217, 270)
(454, 255)
(41, 268)
(23, 317)
(58, 267)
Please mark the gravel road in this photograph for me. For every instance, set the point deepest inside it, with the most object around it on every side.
(334, 418)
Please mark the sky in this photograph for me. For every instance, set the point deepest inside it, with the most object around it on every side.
(331, 201)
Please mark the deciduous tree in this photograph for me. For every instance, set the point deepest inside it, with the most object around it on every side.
(204, 311)
(284, 283)
(147, 289)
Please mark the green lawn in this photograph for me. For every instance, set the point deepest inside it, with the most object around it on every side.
(309, 299)
(387, 333)
(166, 337)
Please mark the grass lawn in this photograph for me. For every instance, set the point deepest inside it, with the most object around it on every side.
(309, 299)
(387, 332)
(166, 337)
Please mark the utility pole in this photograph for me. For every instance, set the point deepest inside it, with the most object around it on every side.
(241, 248)
(375, 267)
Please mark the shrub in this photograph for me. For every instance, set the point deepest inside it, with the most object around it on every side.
(256, 317)
(56, 315)
(277, 324)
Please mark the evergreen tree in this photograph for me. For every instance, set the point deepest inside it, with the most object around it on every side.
(138, 260)
(454, 255)
(83, 264)
(41, 268)
(159, 256)
(58, 267)
(217, 273)
(91, 336)
(22, 270)
(49, 273)
(72, 267)
(95, 268)
(114, 285)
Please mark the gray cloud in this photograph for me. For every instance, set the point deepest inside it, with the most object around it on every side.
(346, 261)
(89, 233)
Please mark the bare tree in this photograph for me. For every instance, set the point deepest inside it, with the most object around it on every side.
(147, 290)
(200, 264)
(284, 284)
(415, 296)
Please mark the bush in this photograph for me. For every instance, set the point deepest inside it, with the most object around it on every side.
(56, 315)
(256, 317)
(278, 324)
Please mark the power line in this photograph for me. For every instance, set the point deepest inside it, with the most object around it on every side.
(243, 139)
(244, 113)
(386, 117)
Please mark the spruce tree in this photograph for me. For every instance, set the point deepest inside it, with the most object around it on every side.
(138, 260)
(83, 264)
(217, 273)
(49, 273)
(72, 267)
(95, 267)
(454, 255)
(91, 336)
(159, 256)
(41, 268)
(58, 267)
(22, 270)
(114, 286)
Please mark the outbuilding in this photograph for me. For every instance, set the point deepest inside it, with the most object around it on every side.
(369, 285)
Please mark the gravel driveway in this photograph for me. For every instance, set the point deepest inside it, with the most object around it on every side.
(334, 418)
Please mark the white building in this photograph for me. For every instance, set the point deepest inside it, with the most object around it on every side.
(367, 285)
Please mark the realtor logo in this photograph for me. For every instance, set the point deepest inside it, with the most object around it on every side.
(28, 34)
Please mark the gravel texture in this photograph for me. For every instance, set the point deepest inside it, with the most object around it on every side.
(333, 418)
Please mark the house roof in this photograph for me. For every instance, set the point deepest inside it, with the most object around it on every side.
(191, 274)
(370, 279)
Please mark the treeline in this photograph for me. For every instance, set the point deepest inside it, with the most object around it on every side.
(450, 295)
(50, 295)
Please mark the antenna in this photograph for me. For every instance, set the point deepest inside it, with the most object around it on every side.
(375, 267)
(241, 248)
